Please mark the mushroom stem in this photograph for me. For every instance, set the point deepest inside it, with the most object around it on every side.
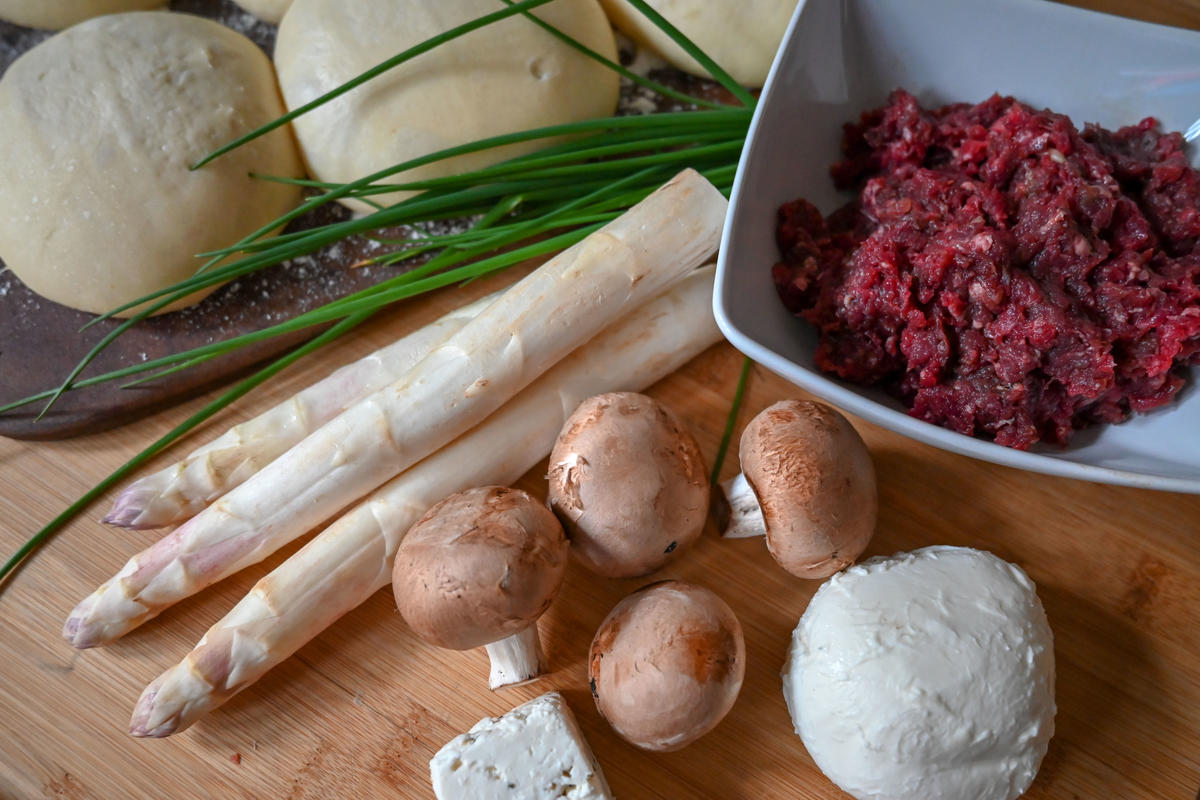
(745, 514)
(516, 659)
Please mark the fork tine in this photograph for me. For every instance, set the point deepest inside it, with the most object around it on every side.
(1192, 132)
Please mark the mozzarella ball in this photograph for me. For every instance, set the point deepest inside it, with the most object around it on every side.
(506, 77)
(57, 14)
(925, 676)
(100, 126)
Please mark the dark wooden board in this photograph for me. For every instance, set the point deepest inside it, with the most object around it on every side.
(40, 341)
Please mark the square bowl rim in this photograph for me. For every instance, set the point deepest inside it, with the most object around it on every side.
(871, 410)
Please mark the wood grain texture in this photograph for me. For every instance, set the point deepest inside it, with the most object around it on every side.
(359, 711)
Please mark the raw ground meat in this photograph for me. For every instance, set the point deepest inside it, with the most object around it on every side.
(1002, 273)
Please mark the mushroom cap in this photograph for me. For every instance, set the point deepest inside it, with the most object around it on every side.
(628, 482)
(666, 664)
(815, 483)
(478, 567)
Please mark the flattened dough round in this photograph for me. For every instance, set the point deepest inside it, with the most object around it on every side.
(740, 35)
(268, 10)
(56, 14)
(508, 76)
(98, 126)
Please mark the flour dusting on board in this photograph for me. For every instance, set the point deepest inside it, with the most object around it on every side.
(31, 325)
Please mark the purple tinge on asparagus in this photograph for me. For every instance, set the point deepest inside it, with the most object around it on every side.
(183, 489)
(519, 336)
(345, 564)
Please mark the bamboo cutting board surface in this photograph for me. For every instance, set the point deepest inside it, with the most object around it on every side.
(359, 711)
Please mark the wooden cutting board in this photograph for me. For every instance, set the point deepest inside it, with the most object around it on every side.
(359, 711)
(41, 341)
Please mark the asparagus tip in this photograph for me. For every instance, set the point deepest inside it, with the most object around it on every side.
(75, 632)
(140, 723)
(81, 629)
(79, 634)
(127, 511)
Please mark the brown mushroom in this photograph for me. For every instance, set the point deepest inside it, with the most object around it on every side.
(808, 483)
(666, 665)
(478, 569)
(628, 482)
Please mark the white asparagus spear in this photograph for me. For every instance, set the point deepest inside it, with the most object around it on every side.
(183, 489)
(352, 559)
(518, 337)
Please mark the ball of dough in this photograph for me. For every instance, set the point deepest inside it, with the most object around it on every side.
(925, 676)
(740, 35)
(56, 14)
(505, 77)
(267, 10)
(99, 125)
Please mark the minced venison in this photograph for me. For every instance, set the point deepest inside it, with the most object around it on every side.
(1002, 273)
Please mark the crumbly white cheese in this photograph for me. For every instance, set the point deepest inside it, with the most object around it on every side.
(533, 752)
(927, 675)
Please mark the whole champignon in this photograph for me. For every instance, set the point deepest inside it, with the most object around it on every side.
(951, 694)
(667, 664)
(808, 483)
(478, 569)
(628, 482)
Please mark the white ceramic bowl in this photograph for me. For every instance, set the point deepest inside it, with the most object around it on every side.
(841, 57)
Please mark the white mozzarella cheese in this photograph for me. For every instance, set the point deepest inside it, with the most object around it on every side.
(925, 676)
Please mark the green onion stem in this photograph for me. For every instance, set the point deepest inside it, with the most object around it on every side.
(673, 120)
(665, 91)
(242, 388)
(296, 248)
(374, 71)
(719, 75)
(398, 214)
(567, 170)
(524, 166)
(96, 349)
(539, 203)
(731, 421)
(373, 299)
(178, 367)
(583, 219)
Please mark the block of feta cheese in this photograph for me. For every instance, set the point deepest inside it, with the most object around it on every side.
(533, 752)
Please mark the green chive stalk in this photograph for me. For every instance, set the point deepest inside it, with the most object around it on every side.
(554, 196)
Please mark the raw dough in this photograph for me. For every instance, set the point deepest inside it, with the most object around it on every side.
(740, 35)
(506, 77)
(98, 126)
(268, 10)
(925, 676)
(56, 14)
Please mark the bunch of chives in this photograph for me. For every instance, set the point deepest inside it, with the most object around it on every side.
(537, 204)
